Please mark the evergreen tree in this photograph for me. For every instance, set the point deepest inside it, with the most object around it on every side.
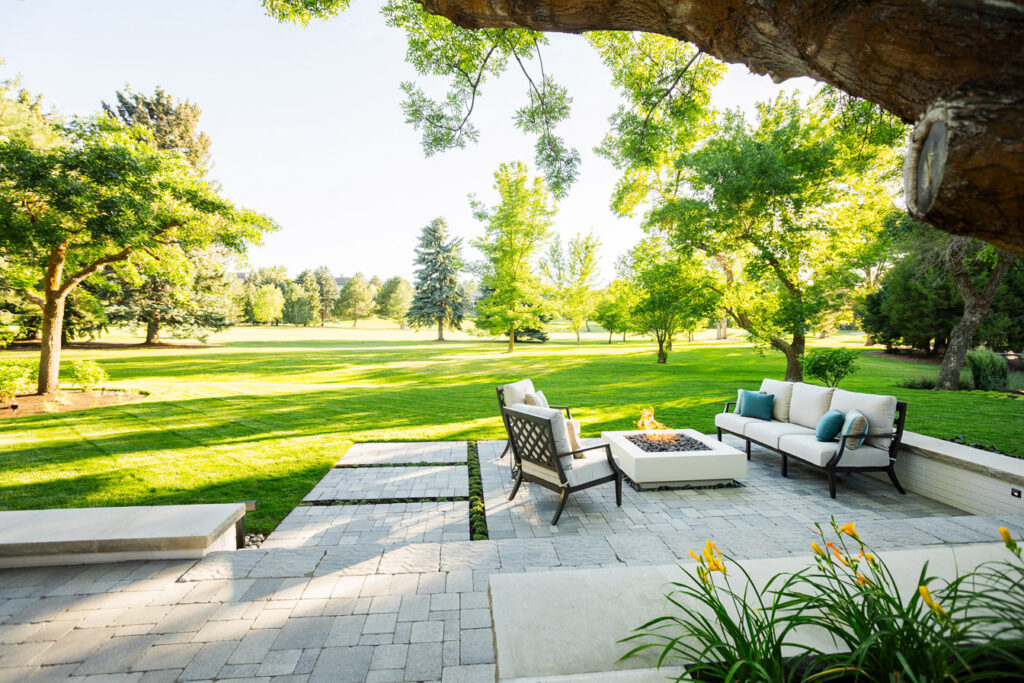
(438, 299)
(174, 124)
(393, 300)
(355, 301)
(326, 288)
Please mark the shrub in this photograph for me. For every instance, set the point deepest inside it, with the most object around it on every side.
(16, 377)
(87, 374)
(988, 369)
(830, 366)
(922, 382)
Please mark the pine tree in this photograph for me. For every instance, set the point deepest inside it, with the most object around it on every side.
(439, 299)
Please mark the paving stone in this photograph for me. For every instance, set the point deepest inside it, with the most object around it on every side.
(473, 673)
(303, 632)
(440, 602)
(345, 631)
(475, 618)
(14, 655)
(414, 608)
(520, 553)
(208, 662)
(417, 557)
(342, 665)
(74, 647)
(476, 646)
(167, 657)
(469, 555)
(116, 655)
(401, 453)
(424, 662)
(389, 657)
(350, 560)
(373, 483)
(223, 630)
(185, 618)
(575, 551)
(254, 646)
(287, 563)
(279, 663)
(380, 623)
(427, 632)
(224, 565)
(247, 671)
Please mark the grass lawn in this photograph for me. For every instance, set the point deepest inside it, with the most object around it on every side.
(267, 412)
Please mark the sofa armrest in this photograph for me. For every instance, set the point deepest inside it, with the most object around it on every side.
(728, 405)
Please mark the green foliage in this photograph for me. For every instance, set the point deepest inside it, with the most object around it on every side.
(16, 377)
(831, 365)
(988, 369)
(614, 312)
(438, 298)
(325, 288)
(572, 275)
(516, 229)
(355, 301)
(477, 512)
(88, 374)
(301, 302)
(729, 628)
(268, 305)
(393, 300)
(174, 125)
(675, 293)
(22, 117)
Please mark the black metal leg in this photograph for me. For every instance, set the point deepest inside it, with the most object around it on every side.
(508, 447)
(618, 489)
(832, 484)
(892, 477)
(748, 450)
(785, 465)
(515, 488)
(561, 506)
(719, 433)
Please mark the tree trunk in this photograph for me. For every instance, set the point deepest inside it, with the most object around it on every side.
(662, 352)
(511, 339)
(623, 336)
(587, 323)
(52, 323)
(577, 336)
(354, 321)
(153, 329)
(976, 305)
(793, 350)
(823, 334)
(610, 337)
(901, 54)
(440, 330)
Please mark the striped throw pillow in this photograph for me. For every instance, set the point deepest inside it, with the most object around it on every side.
(855, 423)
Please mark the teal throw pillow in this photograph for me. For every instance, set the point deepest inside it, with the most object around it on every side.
(855, 423)
(829, 426)
(757, 405)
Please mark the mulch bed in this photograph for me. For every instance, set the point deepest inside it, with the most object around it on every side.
(66, 401)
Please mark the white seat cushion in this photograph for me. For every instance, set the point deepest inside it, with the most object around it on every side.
(563, 444)
(783, 393)
(733, 422)
(808, 448)
(516, 391)
(593, 466)
(809, 403)
(769, 433)
(880, 410)
(541, 472)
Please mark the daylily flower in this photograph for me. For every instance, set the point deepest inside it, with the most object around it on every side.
(817, 550)
(862, 580)
(850, 530)
(694, 555)
(868, 556)
(839, 556)
(928, 600)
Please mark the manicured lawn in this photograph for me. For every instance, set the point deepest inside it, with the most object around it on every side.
(265, 415)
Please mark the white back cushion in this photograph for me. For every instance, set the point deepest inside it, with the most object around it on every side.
(558, 428)
(878, 409)
(516, 391)
(783, 393)
(809, 403)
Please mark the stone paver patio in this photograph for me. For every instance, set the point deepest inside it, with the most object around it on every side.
(396, 591)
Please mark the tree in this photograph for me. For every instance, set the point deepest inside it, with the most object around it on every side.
(775, 207)
(516, 229)
(614, 311)
(439, 299)
(355, 301)
(573, 275)
(301, 302)
(326, 287)
(393, 300)
(964, 90)
(675, 292)
(106, 194)
(268, 307)
(175, 126)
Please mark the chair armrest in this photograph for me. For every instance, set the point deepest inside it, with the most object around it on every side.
(568, 414)
(607, 451)
(728, 404)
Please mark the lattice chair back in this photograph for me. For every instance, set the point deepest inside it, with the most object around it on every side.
(533, 441)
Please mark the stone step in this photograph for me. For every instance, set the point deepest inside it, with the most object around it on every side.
(36, 538)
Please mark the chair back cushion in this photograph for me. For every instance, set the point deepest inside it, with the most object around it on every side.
(783, 393)
(879, 410)
(855, 423)
(532, 446)
(536, 398)
(516, 391)
(739, 402)
(756, 404)
(829, 426)
(809, 403)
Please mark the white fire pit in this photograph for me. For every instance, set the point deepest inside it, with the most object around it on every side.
(720, 464)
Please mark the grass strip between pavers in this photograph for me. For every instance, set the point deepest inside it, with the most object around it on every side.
(477, 513)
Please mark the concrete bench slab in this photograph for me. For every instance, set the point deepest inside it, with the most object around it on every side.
(35, 538)
(555, 626)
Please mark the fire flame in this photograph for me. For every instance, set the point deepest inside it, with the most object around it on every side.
(648, 423)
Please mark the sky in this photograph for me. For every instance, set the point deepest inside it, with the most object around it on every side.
(306, 124)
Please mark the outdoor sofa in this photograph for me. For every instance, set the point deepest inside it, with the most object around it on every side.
(796, 411)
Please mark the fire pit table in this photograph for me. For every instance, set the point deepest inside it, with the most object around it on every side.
(675, 457)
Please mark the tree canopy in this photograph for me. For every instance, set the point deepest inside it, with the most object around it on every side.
(439, 298)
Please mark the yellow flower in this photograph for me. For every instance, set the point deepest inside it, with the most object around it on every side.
(868, 556)
(716, 565)
(839, 556)
(818, 551)
(862, 580)
(1005, 533)
(928, 600)
(694, 555)
(850, 530)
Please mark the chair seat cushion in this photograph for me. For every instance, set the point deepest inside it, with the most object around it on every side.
(589, 468)
(806, 447)
(768, 433)
(733, 422)
(516, 391)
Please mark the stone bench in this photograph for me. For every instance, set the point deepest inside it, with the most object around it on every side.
(35, 538)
